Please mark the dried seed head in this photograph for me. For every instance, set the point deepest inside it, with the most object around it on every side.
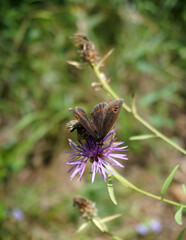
(87, 208)
(87, 49)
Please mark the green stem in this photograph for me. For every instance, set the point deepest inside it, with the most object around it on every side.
(126, 107)
(105, 231)
(125, 182)
(113, 236)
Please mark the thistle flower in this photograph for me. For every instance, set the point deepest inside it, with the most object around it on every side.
(100, 155)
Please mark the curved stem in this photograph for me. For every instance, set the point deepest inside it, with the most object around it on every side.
(135, 114)
(126, 183)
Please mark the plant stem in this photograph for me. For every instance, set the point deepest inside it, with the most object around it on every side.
(112, 236)
(125, 182)
(135, 114)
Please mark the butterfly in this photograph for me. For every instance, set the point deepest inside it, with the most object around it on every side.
(103, 115)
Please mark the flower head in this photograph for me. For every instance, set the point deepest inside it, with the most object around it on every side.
(18, 214)
(142, 229)
(100, 155)
(155, 225)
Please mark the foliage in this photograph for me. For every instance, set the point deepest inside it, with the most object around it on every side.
(37, 87)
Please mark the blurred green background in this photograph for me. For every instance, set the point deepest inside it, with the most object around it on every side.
(37, 87)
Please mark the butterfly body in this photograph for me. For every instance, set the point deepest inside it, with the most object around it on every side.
(103, 117)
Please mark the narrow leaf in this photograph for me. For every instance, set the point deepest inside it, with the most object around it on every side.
(111, 189)
(181, 234)
(178, 216)
(168, 181)
(101, 226)
(83, 226)
(142, 137)
(184, 188)
(110, 218)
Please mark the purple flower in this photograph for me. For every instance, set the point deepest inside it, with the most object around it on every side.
(155, 225)
(18, 214)
(100, 155)
(142, 229)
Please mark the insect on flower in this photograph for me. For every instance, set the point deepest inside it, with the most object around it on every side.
(99, 147)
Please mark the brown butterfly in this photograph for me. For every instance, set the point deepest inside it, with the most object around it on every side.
(103, 117)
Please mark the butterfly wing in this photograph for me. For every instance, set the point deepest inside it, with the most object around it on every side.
(82, 117)
(97, 115)
(110, 114)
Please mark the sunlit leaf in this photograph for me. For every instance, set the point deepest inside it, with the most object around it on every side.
(178, 216)
(168, 181)
(111, 189)
(142, 137)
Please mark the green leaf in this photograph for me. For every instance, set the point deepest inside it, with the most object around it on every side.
(184, 188)
(142, 137)
(168, 181)
(111, 189)
(178, 216)
(181, 234)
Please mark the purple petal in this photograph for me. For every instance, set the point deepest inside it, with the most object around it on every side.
(93, 171)
(118, 155)
(117, 164)
(72, 146)
(71, 168)
(102, 172)
(82, 171)
(108, 135)
(84, 151)
(73, 162)
(118, 144)
(76, 171)
(108, 170)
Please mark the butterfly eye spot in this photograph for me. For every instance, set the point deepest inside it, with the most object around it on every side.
(115, 109)
(109, 110)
